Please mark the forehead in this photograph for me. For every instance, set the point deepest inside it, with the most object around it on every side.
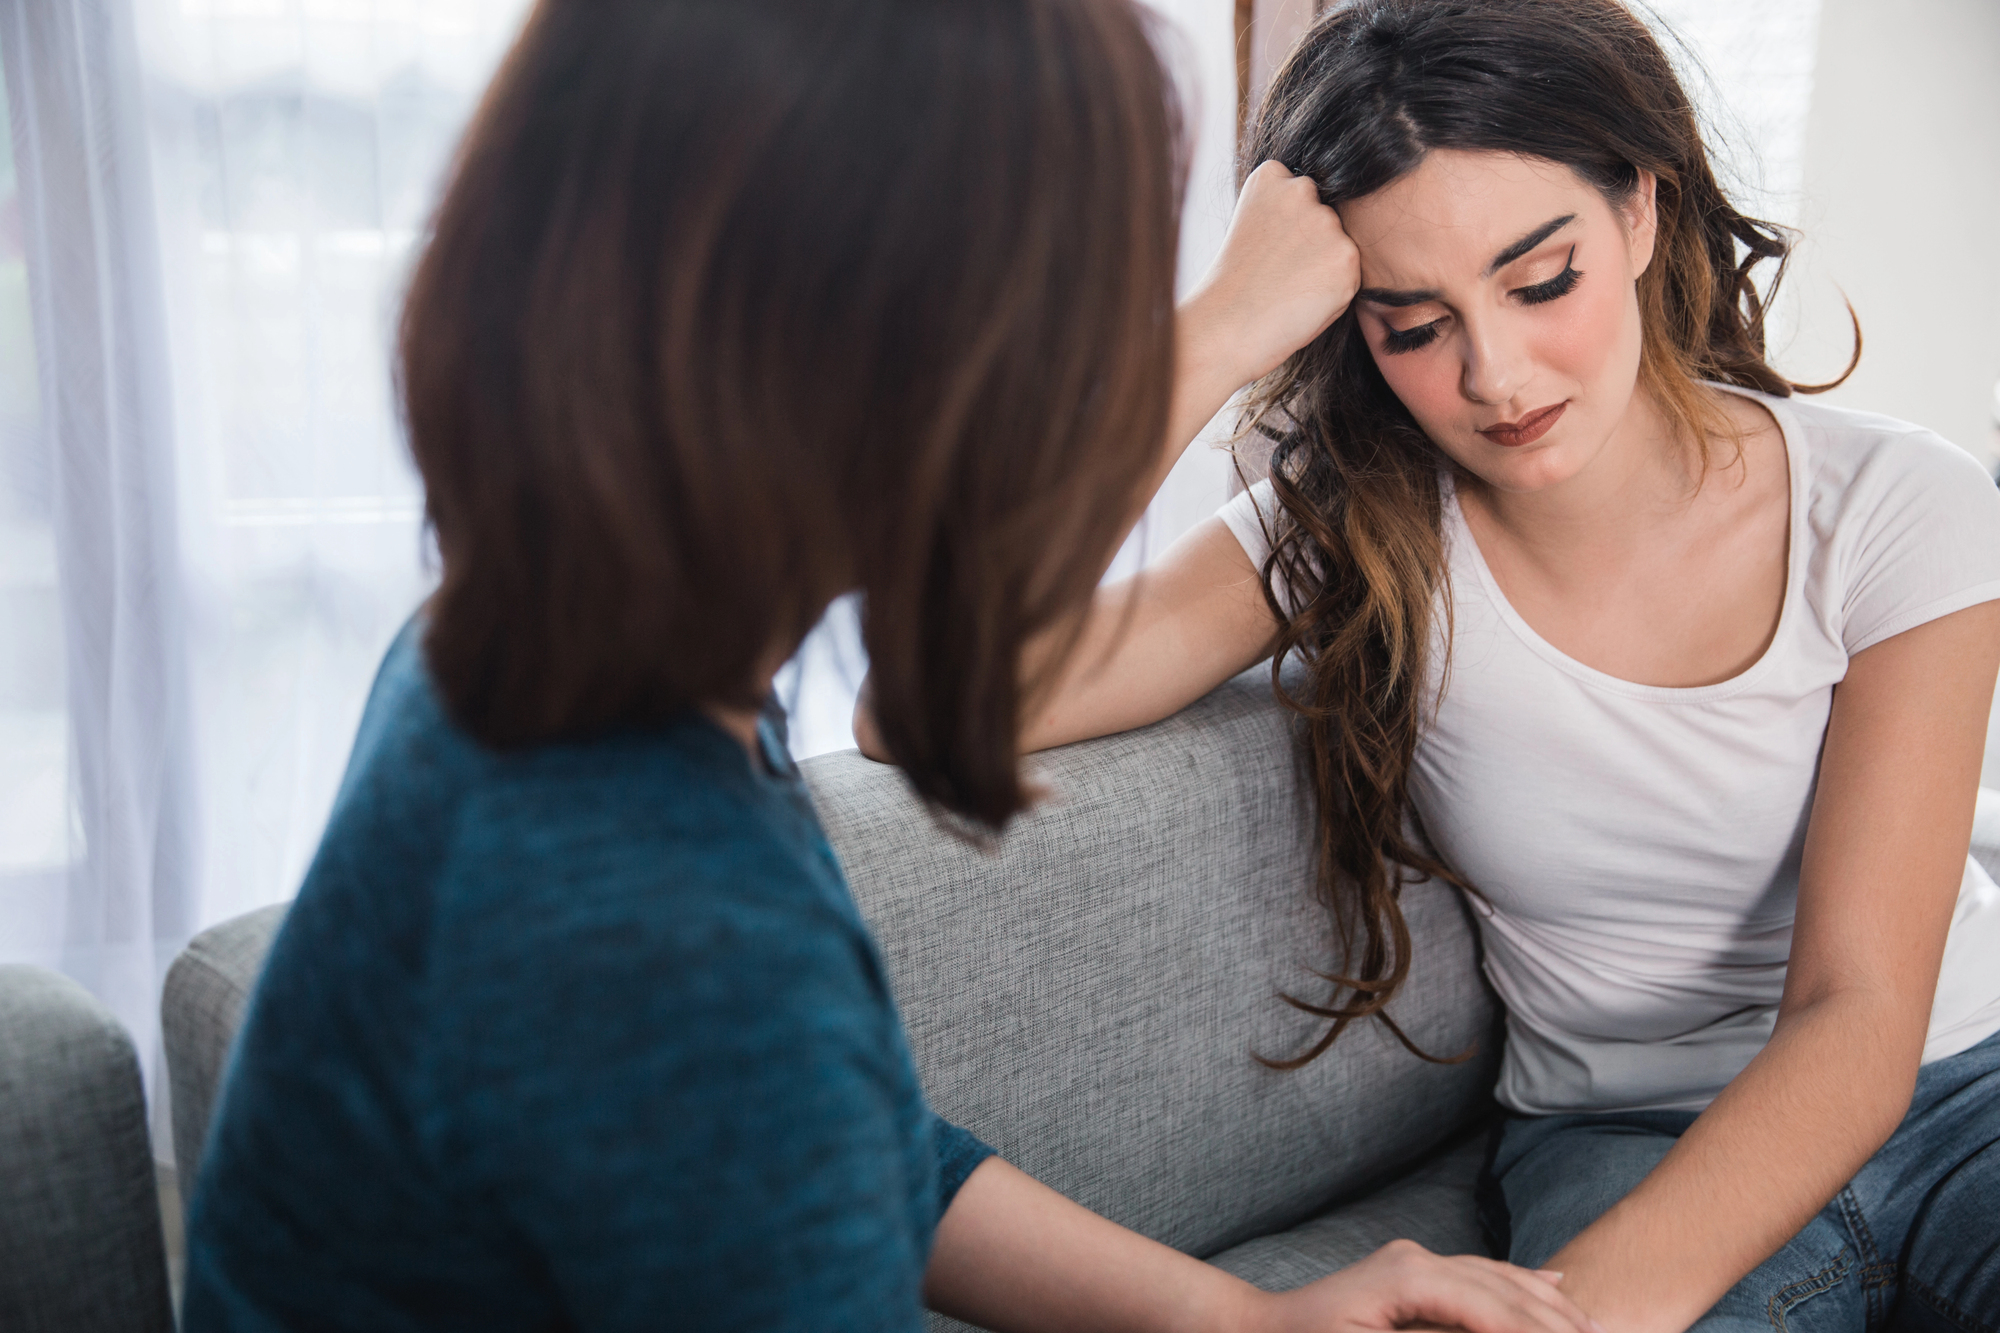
(1457, 210)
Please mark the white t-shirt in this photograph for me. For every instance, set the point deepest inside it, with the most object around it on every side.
(1638, 845)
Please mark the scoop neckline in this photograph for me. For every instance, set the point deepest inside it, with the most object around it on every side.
(1795, 469)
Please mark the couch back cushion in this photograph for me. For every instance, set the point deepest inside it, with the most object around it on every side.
(1089, 995)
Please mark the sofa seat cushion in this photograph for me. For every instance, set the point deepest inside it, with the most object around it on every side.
(1432, 1206)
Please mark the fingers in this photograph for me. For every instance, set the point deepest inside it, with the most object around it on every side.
(1274, 201)
(1480, 1295)
(1273, 174)
(1286, 271)
(1541, 1285)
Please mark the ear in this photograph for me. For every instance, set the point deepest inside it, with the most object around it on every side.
(1641, 215)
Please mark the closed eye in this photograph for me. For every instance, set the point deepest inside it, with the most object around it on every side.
(1409, 340)
(1562, 284)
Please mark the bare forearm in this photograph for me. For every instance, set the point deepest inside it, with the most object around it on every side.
(1207, 372)
(1155, 643)
(1836, 1075)
(1145, 648)
(1209, 368)
(1204, 379)
(1203, 629)
(1013, 1255)
(1286, 272)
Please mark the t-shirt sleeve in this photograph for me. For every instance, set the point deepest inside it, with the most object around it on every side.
(959, 1153)
(1918, 537)
(1252, 516)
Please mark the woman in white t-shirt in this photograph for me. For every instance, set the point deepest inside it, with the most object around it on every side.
(1683, 678)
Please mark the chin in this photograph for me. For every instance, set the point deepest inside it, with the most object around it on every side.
(1521, 470)
(1527, 469)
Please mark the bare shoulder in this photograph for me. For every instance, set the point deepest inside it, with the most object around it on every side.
(1758, 446)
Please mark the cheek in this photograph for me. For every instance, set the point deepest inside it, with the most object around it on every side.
(1589, 337)
(1426, 382)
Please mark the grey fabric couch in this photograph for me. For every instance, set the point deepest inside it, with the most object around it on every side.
(1089, 998)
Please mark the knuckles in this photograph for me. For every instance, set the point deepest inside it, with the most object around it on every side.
(1407, 1255)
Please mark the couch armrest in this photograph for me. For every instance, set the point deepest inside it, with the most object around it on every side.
(200, 1010)
(81, 1248)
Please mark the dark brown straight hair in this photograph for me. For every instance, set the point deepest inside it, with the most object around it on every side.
(732, 306)
(1357, 546)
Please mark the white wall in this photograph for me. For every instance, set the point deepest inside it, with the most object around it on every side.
(1901, 211)
(1201, 49)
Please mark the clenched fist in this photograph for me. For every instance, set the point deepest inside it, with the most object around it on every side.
(1287, 270)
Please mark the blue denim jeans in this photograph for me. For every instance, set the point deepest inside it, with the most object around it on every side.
(1911, 1244)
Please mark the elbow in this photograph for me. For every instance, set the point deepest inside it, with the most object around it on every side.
(1869, 1045)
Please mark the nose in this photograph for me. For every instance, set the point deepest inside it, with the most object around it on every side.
(1496, 366)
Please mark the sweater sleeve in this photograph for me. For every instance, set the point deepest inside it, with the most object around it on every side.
(959, 1153)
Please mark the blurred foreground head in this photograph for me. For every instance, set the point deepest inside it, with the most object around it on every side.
(732, 306)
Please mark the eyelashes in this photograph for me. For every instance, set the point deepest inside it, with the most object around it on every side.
(1541, 293)
(1409, 340)
(1562, 284)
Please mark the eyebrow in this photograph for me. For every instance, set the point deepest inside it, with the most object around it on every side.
(1393, 298)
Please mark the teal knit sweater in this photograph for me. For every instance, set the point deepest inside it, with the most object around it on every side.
(584, 1037)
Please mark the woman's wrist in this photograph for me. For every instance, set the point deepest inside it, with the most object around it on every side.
(1209, 367)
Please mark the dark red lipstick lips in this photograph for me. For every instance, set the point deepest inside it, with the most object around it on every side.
(1527, 430)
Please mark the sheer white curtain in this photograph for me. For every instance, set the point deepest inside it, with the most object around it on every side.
(208, 526)
(97, 872)
(296, 147)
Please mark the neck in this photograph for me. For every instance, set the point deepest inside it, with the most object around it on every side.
(740, 723)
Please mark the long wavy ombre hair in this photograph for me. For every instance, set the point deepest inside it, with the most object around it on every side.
(1356, 573)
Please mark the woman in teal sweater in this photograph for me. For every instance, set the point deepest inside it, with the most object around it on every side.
(731, 306)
